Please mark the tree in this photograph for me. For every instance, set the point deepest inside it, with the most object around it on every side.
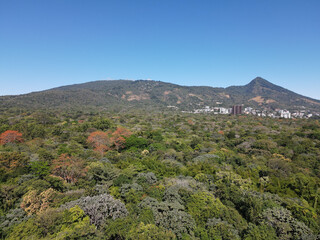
(13, 218)
(136, 142)
(203, 206)
(285, 225)
(170, 216)
(69, 168)
(55, 224)
(118, 137)
(218, 229)
(40, 168)
(260, 232)
(11, 161)
(150, 231)
(121, 131)
(32, 202)
(99, 208)
(25, 230)
(100, 141)
(102, 124)
(75, 225)
(103, 141)
(10, 136)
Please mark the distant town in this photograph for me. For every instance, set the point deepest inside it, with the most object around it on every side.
(238, 109)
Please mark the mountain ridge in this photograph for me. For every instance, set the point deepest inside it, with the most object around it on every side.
(154, 94)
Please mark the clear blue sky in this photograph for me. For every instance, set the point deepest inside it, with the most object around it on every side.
(49, 43)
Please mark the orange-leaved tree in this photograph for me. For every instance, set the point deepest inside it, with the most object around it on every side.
(118, 137)
(10, 136)
(68, 168)
(103, 141)
(100, 141)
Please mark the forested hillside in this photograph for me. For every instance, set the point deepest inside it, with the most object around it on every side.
(147, 94)
(138, 175)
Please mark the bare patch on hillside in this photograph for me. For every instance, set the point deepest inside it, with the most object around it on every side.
(257, 99)
(310, 101)
(138, 97)
(194, 95)
(270, 101)
(224, 95)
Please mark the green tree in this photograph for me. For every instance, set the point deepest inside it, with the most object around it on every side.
(40, 168)
(150, 232)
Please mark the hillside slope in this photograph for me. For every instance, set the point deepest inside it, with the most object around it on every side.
(118, 94)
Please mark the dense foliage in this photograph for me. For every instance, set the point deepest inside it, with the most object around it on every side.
(155, 175)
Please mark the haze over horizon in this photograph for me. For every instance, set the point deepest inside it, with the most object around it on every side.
(50, 44)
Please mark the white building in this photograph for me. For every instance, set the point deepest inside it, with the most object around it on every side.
(285, 114)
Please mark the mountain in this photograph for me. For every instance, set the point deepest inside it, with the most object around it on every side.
(148, 94)
(260, 92)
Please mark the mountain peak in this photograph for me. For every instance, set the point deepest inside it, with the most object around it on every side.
(259, 80)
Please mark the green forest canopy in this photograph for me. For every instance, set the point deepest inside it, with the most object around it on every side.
(77, 175)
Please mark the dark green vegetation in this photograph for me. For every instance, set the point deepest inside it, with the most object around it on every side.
(158, 176)
(111, 95)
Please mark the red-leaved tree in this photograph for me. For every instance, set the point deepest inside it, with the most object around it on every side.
(10, 136)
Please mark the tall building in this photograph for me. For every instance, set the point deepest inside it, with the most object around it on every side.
(237, 109)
